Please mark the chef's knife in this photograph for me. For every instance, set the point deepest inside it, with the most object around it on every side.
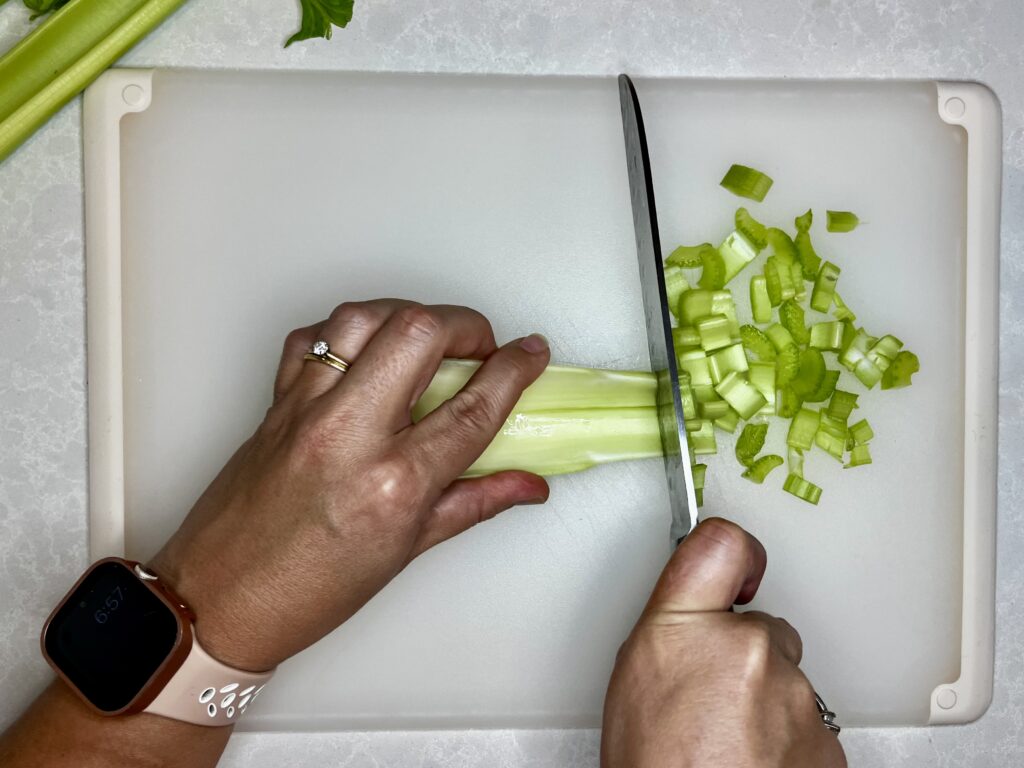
(656, 313)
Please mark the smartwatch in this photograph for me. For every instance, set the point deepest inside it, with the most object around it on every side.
(124, 642)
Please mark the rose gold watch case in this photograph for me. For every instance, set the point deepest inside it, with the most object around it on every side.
(179, 652)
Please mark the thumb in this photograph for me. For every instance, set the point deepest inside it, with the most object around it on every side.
(717, 565)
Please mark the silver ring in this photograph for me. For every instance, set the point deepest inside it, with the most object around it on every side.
(321, 352)
(828, 717)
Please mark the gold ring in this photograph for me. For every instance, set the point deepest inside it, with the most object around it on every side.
(335, 362)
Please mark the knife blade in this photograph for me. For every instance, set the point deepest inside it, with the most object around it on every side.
(682, 500)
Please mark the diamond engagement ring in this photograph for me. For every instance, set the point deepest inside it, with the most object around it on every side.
(828, 717)
(321, 353)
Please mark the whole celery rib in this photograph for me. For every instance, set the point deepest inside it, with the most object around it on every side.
(63, 55)
(568, 420)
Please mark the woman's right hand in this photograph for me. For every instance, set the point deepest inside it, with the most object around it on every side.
(698, 685)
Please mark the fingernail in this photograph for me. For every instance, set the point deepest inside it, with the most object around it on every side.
(534, 501)
(534, 344)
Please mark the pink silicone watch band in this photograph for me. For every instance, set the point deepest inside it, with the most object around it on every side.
(205, 692)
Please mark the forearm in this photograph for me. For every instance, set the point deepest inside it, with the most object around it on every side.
(59, 730)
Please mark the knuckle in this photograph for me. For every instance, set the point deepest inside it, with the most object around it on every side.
(296, 340)
(353, 314)
(393, 484)
(418, 322)
(474, 411)
(756, 639)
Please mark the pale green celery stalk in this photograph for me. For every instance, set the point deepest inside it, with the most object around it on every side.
(559, 388)
(65, 53)
(558, 442)
(568, 420)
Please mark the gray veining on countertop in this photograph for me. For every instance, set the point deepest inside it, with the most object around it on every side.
(42, 333)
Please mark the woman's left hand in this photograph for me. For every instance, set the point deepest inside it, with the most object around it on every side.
(338, 490)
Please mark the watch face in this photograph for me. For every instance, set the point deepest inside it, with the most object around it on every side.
(111, 635)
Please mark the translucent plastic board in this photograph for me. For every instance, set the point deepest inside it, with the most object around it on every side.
(227, 208)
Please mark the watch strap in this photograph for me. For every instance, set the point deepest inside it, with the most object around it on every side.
(205, 692)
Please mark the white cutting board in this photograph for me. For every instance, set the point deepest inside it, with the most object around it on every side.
(250, 204)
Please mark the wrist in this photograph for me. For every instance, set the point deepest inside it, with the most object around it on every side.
(223, 623)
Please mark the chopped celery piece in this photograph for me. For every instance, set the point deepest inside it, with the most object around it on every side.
(855, 346)
(714, 332)
(809, 260)
(884, 351)
(786, 365)
(787, 402)
(746, 182)
(741, 395)
(841, 405)
(802, 429)
(824, 287)
(702, 440)
(787, 288)
(684, 337)
(699, 472)
(712, 277)
(861, 433)
(782, 245)
(825, 390)
(811, 373)
(675, 284)
(750, 443)
(693, 305)
(779, 337)
(688, 256)
(773, 282)
(755, 342)
(704, 393)
(760, 304)
(762, 376)
(693, 425)
(831, 426)
(791, 315)
(722, 304)
(867, 373)
(797, 271)
(796, 462)
(840, 310)
(841, 221)
(828, 335)
(802, 489)
(729, 421)
(831, 436)
(686, 395)
(859, 456)
(753, 230)
(759, 470)
(725, 361)
(736, 252)
(899, 372)
(695, 363)
(803, 223)
(698, 495)
(714, 409)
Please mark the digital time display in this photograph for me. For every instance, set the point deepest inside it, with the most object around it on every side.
(111, 635)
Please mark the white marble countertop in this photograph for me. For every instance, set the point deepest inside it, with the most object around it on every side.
(42, 316)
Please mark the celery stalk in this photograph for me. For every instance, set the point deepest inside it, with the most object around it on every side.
(558, 442)
(65, 53)
(568, 420)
